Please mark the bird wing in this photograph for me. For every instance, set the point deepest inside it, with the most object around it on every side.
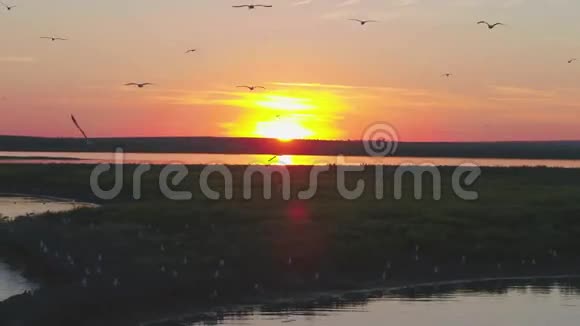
(60, 39)
(240, 6)
(498, 24)
(372, 21)
(131, 84)
(262, 87)
(483, 22)
(265, 6)
(146, 84)
(46, 37)
(357, 20)
(78, 127)
(248, 87)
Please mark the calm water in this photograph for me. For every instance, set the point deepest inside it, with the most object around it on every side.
(14, 206)
(538, 305)
(238, 159)
(11, 282)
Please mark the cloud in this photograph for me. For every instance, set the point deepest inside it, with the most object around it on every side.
(348, 3)
(511, 93)
(18, 59)
(302, 3)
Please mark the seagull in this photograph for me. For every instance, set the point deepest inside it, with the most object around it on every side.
(74, 120)
(53, 38)
(364, 22)
(190, 50)
(251, 88)
(7, 6)
(572, 60)
(447, 75)
(490, 26)
(140, 85)
(250, 7)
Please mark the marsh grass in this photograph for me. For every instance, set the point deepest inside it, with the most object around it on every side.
(523, 214)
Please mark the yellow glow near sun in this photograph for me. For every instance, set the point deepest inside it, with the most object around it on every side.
(287, 114)
(284, 130)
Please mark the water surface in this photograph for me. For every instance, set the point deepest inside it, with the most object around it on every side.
(244, 159)
(20, 205)
(556, 304)
(11, 281)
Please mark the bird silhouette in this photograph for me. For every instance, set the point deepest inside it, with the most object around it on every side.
(74, 120)
(364, 22)
(190, 51)
(572, 60)
(250, 7)
(251, 88)
(53, 38)
(7, 6)
(140, 85)
(490, 26)
(447, 75)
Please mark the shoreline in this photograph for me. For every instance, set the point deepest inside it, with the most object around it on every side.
(71, 200)
(339, 298)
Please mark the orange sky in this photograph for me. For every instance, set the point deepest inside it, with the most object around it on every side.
(326, 77)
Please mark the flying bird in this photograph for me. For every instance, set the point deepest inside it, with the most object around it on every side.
(74, 120)
(52, 38)
(250, 7)
(251, 88)
(190, 51)
(364, 22)
(140, 85)
(447, 75)
(490, 26)
(572, 60)
(7, 6)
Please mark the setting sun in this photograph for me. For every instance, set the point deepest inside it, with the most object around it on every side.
(287, 113)
(284, 130)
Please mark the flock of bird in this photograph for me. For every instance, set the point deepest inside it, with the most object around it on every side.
(251, 88)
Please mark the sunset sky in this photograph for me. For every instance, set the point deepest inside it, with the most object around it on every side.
(326, 77)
